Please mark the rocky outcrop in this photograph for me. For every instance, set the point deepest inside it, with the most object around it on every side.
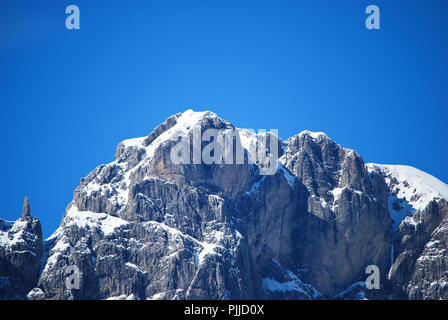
(420, 267)
(430, 277)
(346, 223)
(20, 255)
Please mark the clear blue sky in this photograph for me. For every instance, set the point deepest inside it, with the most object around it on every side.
(67, 98)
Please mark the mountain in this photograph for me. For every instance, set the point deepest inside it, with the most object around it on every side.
(148, 227)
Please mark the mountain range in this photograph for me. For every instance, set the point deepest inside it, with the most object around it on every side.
(143, 227)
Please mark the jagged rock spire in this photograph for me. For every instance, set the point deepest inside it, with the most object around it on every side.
(26, 208)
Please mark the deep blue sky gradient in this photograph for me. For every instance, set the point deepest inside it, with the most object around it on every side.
(67, 98)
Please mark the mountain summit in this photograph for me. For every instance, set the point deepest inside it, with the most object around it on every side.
(145, 227)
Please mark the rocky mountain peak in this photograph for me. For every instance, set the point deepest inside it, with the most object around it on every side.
(178, 125)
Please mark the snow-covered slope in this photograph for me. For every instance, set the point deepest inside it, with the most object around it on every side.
(12, 232)
(411, 190)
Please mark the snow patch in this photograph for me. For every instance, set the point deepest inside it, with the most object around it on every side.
(134, 267)
(12, 232)
(87, 219)
(136, 142)
(314, 135)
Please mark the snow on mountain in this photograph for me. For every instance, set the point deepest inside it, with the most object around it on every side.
(185, 122)
(411, 190)
(15, 233)
(87, 220)
(11, 232)
(314, 135)
(118, 189)
(181, 125)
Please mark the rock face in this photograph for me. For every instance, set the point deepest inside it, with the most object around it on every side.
(147, 227)
(20, 255)
(345, 226)
(417, 202)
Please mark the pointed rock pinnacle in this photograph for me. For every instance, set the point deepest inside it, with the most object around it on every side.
(26, 209)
